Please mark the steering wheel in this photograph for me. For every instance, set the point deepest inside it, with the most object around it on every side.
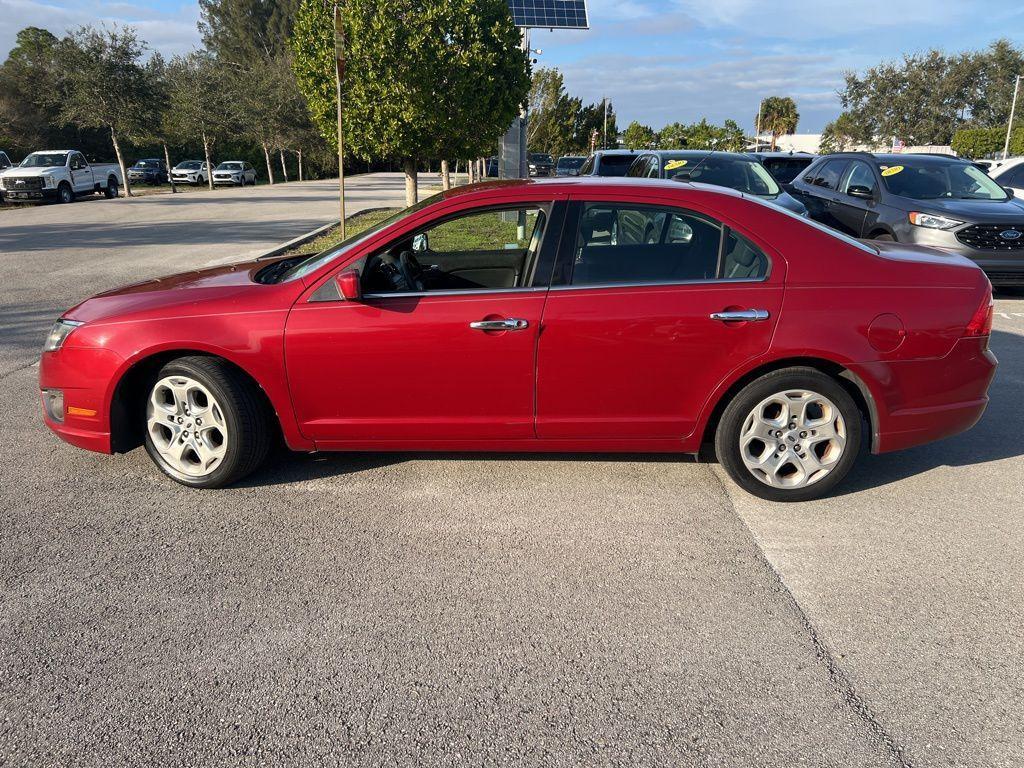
(411, 270)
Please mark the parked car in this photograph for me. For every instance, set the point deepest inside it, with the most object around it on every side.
(1010, 175)
(785, 344)
(5, 163)
(541, 164)
(784, 166)
(194, 172)
(725, 169)
(234, 172)
(151, 171)
(59, 174)
(608, 162)
(569, 165)
(934, 200)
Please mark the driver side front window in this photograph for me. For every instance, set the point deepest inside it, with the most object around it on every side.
(491, 249)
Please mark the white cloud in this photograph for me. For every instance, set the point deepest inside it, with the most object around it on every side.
(172, 31)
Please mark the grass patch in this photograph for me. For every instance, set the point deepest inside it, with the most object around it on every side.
(354, 224)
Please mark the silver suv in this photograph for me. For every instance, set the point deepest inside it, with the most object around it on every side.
(934, 200)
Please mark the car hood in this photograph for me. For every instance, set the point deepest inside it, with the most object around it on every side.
(971, 210)
(187, 293)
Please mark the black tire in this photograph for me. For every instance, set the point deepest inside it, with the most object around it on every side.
(111, 189)
(727, 436)
(246, 415)
(64, 193)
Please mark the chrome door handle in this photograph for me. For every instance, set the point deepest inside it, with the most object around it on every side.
(511, 324)
(750, 315)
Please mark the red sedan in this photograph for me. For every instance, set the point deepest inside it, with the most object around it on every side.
(572, 315)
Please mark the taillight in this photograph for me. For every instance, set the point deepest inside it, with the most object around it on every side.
(981, 322)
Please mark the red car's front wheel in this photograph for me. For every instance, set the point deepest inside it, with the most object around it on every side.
(206, 425)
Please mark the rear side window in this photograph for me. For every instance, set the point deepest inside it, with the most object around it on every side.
(827, 176)
(1013, 177)
(614, 165)
(633, 244)
(785, 169)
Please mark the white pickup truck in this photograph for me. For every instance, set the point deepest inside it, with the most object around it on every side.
(59, 174)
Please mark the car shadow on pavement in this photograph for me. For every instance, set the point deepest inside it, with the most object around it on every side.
(287, 467)
(996, 436)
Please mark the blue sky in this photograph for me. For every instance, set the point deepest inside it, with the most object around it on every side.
(662, 60)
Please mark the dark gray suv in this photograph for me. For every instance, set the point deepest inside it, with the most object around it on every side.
(934, 200)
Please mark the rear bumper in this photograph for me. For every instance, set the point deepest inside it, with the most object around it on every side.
(921, 401)
(85, 376)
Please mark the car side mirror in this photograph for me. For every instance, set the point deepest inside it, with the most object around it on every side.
(1008, 191)
(350, 285)
(420, 243)
(859, 190)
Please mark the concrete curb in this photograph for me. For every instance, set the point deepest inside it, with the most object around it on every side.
(277, 250)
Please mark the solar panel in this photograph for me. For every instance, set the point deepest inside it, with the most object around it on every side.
(553, 14)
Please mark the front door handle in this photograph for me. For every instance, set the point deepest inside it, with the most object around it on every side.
(509, 324)
(748, 315)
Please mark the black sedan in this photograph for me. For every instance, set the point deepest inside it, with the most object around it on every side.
(724, 169)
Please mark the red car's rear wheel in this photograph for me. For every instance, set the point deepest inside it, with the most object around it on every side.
(790, 435)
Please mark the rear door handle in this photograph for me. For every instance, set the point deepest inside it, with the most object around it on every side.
(749, 315)
(509, 324)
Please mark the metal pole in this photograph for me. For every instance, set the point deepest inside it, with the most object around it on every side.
(1013, 108)
(339, 75)
(604, 141)
(757, 127)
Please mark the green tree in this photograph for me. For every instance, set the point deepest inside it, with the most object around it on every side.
(778, 116)
(422, 80)
(103, 84)
(198, 105)
(591, 119)
(243, 33)
(839, 135)
(991, 80)
(638, 136)
(553, 114)
(674, 136)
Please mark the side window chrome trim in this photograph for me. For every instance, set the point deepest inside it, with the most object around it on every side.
(465, 292)
(717, 281)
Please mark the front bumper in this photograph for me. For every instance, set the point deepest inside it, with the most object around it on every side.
(1002, 267)
(926, 400)
(85, 376)
(29, 195)
(227, 179)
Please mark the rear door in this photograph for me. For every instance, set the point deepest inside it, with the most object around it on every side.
(634, 337)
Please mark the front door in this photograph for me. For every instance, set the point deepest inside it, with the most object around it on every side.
(850, 211)
(646, 327)
(81, 174)
(442, 345)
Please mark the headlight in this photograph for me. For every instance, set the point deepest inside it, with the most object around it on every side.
(933, 221)
(60, 331)
(50, 182)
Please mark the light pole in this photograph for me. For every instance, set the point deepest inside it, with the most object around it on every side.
(339, 75)
(604, 141)
(757, 127)
(1013, 108)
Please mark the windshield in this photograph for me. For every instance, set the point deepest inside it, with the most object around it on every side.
(741, 175)
(148, 164)
(313, 263)
(229, 167)
(540, 158)
(614, 165)
(188, 165)
(571, 162)
(936, 181)
(45, 160)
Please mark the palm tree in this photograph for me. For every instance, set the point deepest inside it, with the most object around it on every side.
(779, 117)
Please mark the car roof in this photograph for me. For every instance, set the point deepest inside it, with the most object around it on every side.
(770, 155)
(897, 157)
(617, 151)
(672, 154)
(566, 184)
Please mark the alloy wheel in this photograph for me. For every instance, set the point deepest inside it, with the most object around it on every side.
(793, 439)
(187, 426)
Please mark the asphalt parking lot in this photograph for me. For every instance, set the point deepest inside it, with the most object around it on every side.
(482, 610)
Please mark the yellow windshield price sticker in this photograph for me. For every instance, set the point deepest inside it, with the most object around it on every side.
(892, 171)
(671, 165)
